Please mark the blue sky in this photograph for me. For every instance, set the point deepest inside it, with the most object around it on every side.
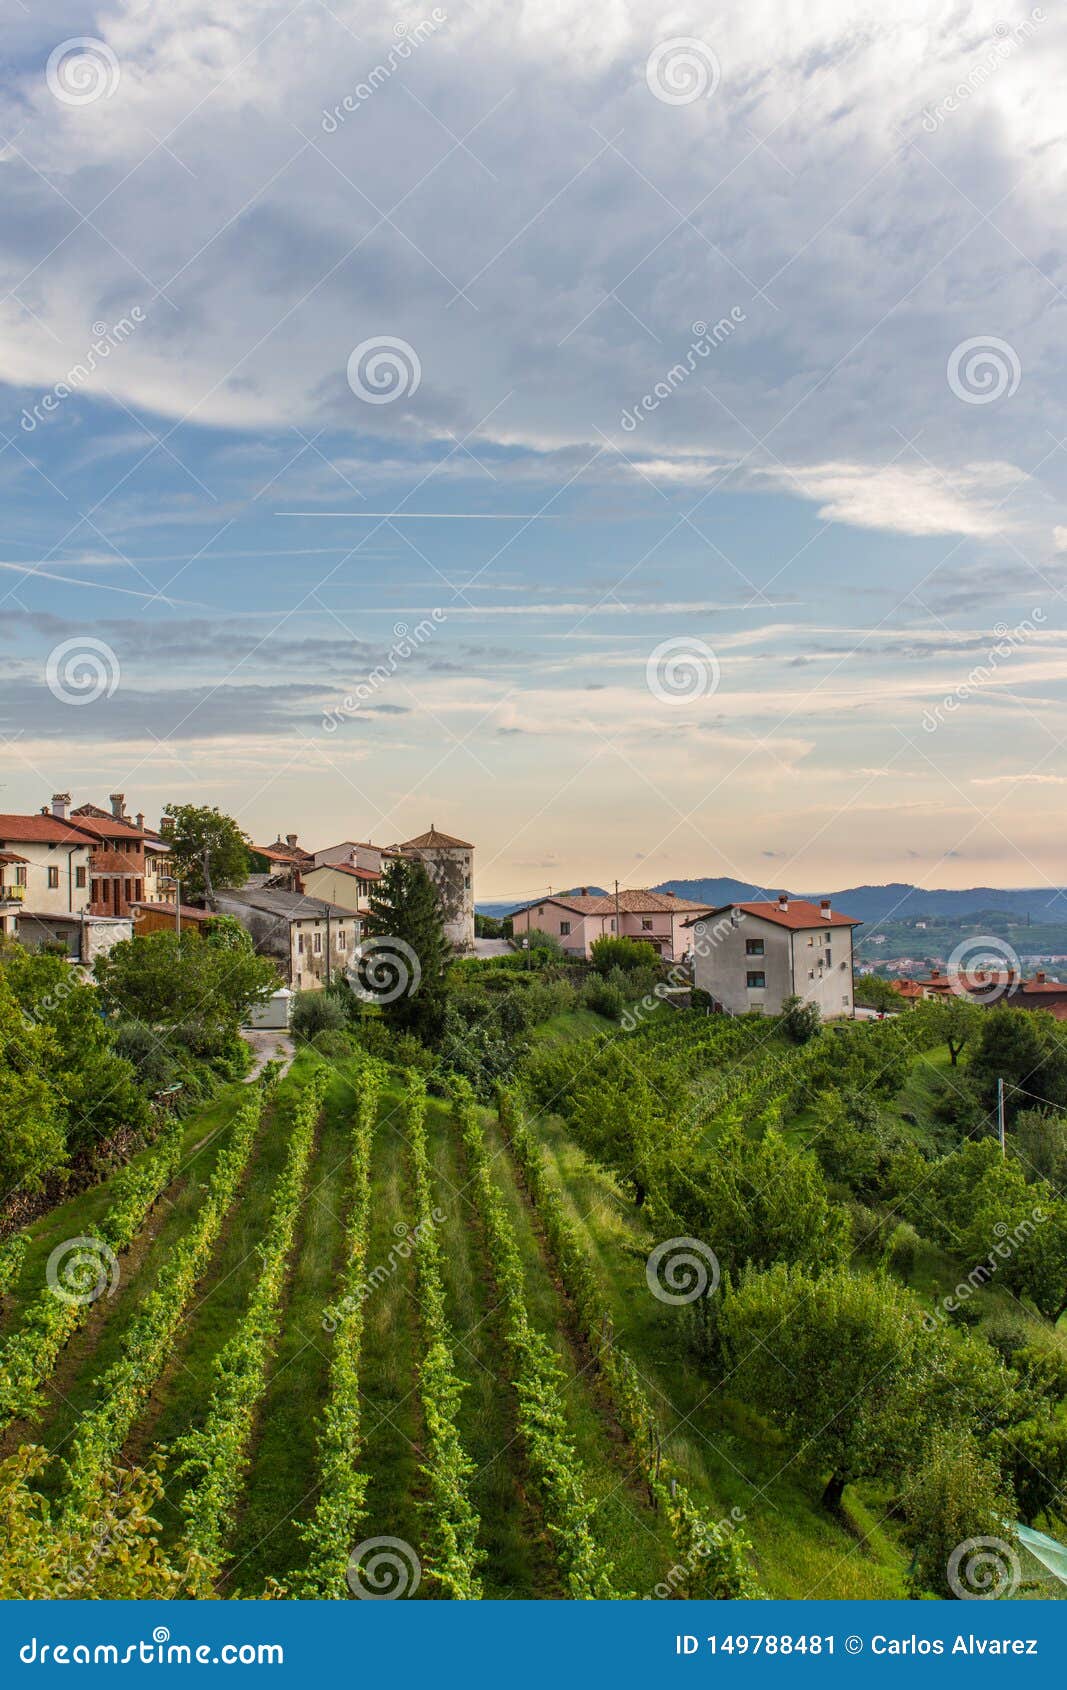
(716, 452)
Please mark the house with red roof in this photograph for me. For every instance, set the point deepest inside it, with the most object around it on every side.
(578, 919)
(751, 957)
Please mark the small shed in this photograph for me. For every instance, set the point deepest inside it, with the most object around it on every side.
(274, 1013)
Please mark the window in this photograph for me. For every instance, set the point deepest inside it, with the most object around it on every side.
(564, 929)
(613, 924)
(79, 877)
(753, 947)
(53, 877)
(829, 957)
(316, 944)
(811, 973)
(300, 944)
(20, 875)
(756, 981)
(646, 924)
(342, 940)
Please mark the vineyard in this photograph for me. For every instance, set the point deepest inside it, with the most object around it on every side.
(357, 1332)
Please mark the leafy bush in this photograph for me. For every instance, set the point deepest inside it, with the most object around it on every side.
(317, 1012)
(611, 952)
(800, 1021)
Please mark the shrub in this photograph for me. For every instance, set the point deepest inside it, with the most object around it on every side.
(334, 1044)
(317, 1012)
(902, 1250)
(800, 1021)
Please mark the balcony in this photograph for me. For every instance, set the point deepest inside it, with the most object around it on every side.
(12, 894)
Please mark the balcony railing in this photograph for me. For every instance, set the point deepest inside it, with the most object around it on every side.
(12, 894)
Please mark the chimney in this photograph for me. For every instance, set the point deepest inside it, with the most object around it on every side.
(783, 901)
(140, 820)
(1041, 977)
(935, 974)
(585, 891)
(61, 805)
(118, 805)
(824, 907)
(290, 840)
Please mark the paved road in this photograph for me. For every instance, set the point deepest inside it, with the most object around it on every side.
(491, 947)
(267, 1044)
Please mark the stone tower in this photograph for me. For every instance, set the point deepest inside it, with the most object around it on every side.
(450, 865)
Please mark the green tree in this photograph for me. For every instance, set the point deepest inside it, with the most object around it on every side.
(875, 993)
(955, 1022)
(954, 1494)
(404, 963)
(800, 1021)
(208, 850)
(1026, 1049)
(199, 993)
(611, 951)
(844, 1365)
(617, 1120)
(1034, 1454)
(33, 1140)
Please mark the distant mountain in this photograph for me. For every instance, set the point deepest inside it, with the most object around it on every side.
(869, 904)
(496, 910)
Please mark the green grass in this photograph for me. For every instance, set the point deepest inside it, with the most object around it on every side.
(518, 1558)
(569, 1025)
(638, 1541)
(281, 1487)
(728, 1458)
(391, 1345)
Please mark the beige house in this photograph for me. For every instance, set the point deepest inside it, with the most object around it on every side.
(341, 883)
(750, 957)
(313, 942)
(46, 888)
(578, 919)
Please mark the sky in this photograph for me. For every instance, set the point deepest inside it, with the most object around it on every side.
(632, 439)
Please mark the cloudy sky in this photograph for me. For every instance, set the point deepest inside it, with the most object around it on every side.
(630, 438)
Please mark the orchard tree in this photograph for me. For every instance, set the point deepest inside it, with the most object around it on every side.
(955, 1022)
(617, 1120)
(198, 991)
(1026, 1049)
(403, 964)
(955, 1493)
(844, 1365)
(617, 951)
(32, 1111)
(208, 850)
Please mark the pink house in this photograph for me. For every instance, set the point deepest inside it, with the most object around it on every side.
(576, 919)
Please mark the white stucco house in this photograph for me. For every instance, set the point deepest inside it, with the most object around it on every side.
(751, 957)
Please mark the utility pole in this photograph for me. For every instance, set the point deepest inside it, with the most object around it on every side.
(1000, 1117)
(618, 918)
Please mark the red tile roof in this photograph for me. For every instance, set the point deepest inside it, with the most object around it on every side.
(11, 857)
(433, 836)
(41, 830)
(639, 902)
(107, 827)
(799, 914)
